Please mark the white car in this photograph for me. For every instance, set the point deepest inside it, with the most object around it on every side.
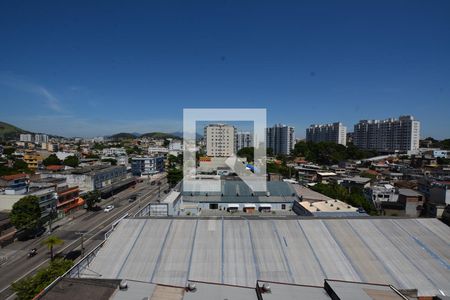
(109, 208)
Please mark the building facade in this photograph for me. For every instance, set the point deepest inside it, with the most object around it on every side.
(141, 166)
(388, 135)
(220, 140)
(243, 140)
(335, 132)
(280, 138)
(26, 137)
(40, 138)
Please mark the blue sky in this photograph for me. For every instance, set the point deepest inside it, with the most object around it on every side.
(79, 68)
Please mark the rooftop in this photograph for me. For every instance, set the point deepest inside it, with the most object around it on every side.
(14, 176)
(327, 206)
(310, 195)
(409, 193)
(407, 253)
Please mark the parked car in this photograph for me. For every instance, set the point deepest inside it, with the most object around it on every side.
(109, 208)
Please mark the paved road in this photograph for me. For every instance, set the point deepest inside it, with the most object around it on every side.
(94, 225)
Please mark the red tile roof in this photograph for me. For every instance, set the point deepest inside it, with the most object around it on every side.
(55, 167)
(14, 176)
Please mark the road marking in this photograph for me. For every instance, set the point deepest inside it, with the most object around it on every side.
(119, 211)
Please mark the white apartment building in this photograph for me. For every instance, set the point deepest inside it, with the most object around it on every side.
(114, 152)
(281, 139)
(334, 132)
(243, 140)
(26, 137)
(175, 145)
(389, 135)
(40, 138)
(220, 140)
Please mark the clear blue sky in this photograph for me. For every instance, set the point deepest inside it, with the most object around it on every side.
(79, 68)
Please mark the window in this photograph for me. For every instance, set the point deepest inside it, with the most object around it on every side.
(213, 206)
(283, 206)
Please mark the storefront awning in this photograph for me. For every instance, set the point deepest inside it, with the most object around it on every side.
(233, 205)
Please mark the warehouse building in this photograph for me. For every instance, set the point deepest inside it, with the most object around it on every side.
(410, 254)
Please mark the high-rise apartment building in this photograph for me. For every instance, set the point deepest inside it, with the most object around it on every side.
(40, 138)
(335, 132)
(26, 137)
(389, 135)
(243, 140)
(280, 138)
(220, 140)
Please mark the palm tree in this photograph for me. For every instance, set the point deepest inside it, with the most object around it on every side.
(51, 242)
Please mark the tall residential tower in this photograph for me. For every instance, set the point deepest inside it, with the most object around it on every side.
(281, 139)
(388, 135)
(335, 132)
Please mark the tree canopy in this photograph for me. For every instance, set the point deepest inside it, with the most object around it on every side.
(327, 153)
(26, 213)
(92, 198)
(29, 287)
(247, 152)
(71, 161)
(52, 159)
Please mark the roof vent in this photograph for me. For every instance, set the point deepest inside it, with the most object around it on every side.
(237, 194)
(311, 204)
(337, 208)
(335, 200)
(266, 288)
(123, 285)
(331, 204)
(326, 201)
(268, 194)
(190, 287)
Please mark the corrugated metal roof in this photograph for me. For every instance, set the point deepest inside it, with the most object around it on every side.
(407, 253)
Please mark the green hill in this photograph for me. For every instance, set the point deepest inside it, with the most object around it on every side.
(8, 131)
(122, 136)
(159, 135)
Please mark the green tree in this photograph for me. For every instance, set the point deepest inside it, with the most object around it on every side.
(51, 242)
(71, 161)
(20, 166)
(28, 287)
(112, 161)
(174, 176)
(247, 152)
(26, 213)
(92, 198)
(51, 160)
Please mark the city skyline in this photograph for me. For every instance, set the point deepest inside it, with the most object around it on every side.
(135, 69)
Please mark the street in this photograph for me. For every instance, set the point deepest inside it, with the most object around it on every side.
(92, 225)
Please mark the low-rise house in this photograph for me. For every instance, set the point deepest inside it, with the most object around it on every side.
(437, 195)
(16, 184)
(354, 182)
(381, 193)
(409, 204)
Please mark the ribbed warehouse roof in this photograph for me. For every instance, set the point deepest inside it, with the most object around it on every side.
(407, 253)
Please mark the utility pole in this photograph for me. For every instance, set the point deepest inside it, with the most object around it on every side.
(81, 234)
